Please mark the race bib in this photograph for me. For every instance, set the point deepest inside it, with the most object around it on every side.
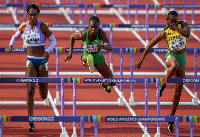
(32, 38)
(90, 48)
(177, 44)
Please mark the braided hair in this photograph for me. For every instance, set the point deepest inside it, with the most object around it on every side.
(172, 13)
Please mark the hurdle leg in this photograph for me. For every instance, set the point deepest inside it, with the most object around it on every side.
(120, 99)
(131, 99)
(82, 127)
(62, 108)
(177, 126)
(74, 132)
(158, 132)
(145, 133)
(195, 99)
(146, 109)
(74, 108)
(1, 126)
(57, 99)
(95, 127)
(63, 134)
(191, 127)
(158, 106)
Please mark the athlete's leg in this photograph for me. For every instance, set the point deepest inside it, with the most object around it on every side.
(180, 73)
(84, 60)
(30, 72)
(172, 65)
(105, 71)
(43, 87)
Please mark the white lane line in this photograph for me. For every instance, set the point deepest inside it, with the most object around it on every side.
(55, 110)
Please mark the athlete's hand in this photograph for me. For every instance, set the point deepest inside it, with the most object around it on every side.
(99, 47)
(138, 64)
(46, 55)
(68, 57)
(10, 48)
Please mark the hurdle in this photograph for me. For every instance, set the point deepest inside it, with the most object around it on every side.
(35, 80)
(114, 80)
(136, 50)
(80, 119)
(119, 118)
(128, 12)
(191, 120)
(186, 80)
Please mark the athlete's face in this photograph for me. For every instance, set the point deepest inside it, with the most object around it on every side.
(173, 20)
(93, 27)
(32, 16)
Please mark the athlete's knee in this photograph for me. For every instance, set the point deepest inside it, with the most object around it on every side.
(30, 90)
(43, 89)
(174, 67)
(178, 93)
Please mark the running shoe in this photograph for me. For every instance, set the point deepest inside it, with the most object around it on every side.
(31, 127)
(90, 62)
(107, 88)
(170, 125)
(162, 87)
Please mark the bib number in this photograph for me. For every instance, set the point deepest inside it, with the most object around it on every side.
(177, 44)
(90, 48)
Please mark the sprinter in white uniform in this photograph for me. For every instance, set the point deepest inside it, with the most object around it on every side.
(35, 33)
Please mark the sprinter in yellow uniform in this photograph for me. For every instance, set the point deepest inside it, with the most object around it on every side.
(176, 33)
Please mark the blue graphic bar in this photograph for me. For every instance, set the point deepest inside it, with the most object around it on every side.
(31, 80)
(125, 6)
(81, 50)
(8, 25)
(142, 118)
(116, 80)
(183, 80)
(12, 5)
(47, 118)
(141, 25)
(180, 6)
(162, 50)
(20, 49)
(63, 5)
(59, 25)
(15, 49)
(151, 25)
(140, 50)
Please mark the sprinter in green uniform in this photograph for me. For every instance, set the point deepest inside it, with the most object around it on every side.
(94, 39)
(176, 33)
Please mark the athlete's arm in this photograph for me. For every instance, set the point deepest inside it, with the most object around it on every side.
(106, 43)
(45, 30)
(73, 37)
(153, 42)
(185, 31)
(15, 37)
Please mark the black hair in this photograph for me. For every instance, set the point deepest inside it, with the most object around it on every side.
(173, 13)
(94, 18)
(34, 6)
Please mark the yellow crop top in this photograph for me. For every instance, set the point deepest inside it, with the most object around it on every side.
(175, 41)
